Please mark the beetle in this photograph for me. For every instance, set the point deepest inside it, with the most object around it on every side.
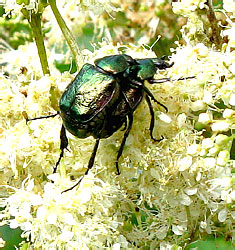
(103, 97)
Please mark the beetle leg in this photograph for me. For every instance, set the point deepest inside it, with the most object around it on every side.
(90, 165)
(148, 92)
(167, 79)
(130, 122)
(152, 118)
(137, 84)
(37, 118)
(63, 146)
(125, 125)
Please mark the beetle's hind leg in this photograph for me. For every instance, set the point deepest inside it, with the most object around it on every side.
(130, 122)
(152, 118)
(90, 165)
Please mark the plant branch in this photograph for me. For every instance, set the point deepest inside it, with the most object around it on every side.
(34, 20)
(67, 33)
(215, 37)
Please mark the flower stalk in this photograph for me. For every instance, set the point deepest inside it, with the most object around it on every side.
(34, 20)
(67, 33)
(215, 37)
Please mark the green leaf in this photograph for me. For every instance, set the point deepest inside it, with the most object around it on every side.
(10, 236)
(211, 243)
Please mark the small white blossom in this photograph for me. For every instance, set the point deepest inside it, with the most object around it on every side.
(220, 126)
(210, 162)
(213, 151)
(67, 217)
(185, 200)
(116, 246)
(193, 149)
(198, 105)
(228, 113)
(223, 157)
(155, 173)
(178, 230)
(207, 143)
(190, 191)
(198, 177)
(228, 5)
(221, 139)
(232, 69)
(51, 218)
(181, 120)
(85, 195)
(185, 163)
(66, 236)
(2, 242)
(201, 50)
(203, 224)
(205, 118)
(227, 195)
(208, 98)
(165, 118)
(162, 232)
(222, 215)
(14, 224)
(232, 100)
(232, 195)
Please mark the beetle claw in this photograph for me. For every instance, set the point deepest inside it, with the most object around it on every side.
(157, 140)
(118, 171)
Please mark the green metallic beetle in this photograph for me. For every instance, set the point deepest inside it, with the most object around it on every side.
(103, 97)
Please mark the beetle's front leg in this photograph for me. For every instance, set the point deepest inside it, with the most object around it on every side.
(167, 79)
(63, 146)
(148, 92)
(152, 118)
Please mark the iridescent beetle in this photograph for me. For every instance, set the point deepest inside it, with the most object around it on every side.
(103, 97)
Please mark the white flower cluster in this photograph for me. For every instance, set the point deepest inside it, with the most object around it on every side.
(199, 18)
(185, 170)
(14, 7)
(65, 220)
(97, 7)
(165, 190)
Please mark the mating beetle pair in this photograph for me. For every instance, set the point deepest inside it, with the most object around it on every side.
(103, 97)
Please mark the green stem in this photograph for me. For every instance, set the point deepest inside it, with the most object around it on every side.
(67, 34)
(34, 20)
